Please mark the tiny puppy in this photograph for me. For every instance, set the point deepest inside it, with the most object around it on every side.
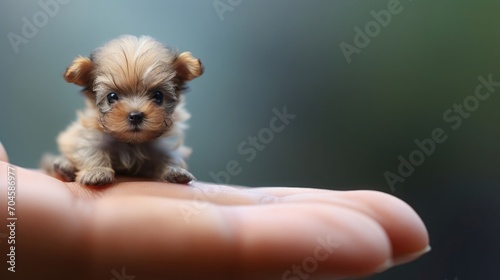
(134, 118)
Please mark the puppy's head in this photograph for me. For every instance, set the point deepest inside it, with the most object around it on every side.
(135, 84)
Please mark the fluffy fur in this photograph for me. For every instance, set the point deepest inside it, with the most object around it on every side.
(134, 117)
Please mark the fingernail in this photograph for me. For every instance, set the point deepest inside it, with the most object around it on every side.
(385, 266)
(412, 256)
(381, 268)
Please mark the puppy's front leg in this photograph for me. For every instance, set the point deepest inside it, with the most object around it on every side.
(59, 165)
(94, 167)
(176, 174)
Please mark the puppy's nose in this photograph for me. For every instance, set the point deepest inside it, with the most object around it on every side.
(136, 117)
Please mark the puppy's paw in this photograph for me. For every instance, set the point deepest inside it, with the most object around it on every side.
(64, 168)
(177, 175)
(96, 176)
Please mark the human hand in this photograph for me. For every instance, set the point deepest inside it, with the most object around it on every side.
(154, 230)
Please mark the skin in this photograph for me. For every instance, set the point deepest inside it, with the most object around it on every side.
(154, 230)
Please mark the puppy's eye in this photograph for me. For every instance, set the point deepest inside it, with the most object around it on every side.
(158, 97)
(112, 97)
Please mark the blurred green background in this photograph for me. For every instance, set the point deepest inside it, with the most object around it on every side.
(352, 121)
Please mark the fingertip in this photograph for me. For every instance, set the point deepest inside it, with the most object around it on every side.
(339, 241)
(3, 153)
(405, 228)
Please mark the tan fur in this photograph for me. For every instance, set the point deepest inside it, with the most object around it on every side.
(79, 71)
(104, 141)
(188, 66)
(116, 123)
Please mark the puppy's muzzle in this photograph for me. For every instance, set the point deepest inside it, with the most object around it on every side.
(136, 118)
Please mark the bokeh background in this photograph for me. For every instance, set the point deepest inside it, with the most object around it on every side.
(352, 121)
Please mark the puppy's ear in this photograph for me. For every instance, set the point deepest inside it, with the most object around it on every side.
(79, 72)
(187, 67)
